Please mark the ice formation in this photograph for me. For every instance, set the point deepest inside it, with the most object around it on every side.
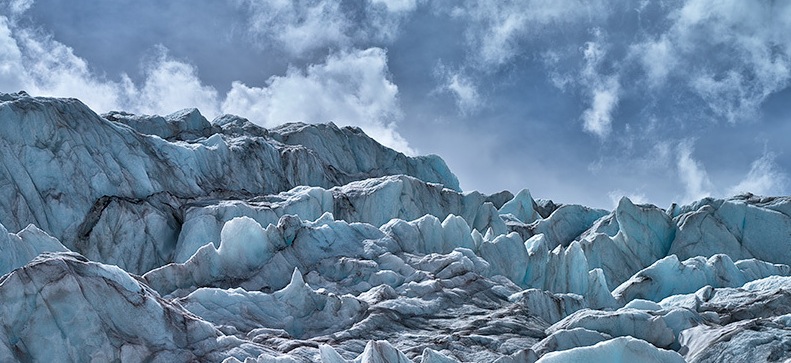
(174, 238)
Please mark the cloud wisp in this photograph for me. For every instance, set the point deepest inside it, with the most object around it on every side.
(461, 87)
(604, 90)
(727, 56)
(692, 174)
(764, 178)
(304, 26)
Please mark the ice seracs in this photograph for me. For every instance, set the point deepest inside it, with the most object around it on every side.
(623, 349)
(20, 248)
(296, 309)
(187, 124)
(669, 276)
(174, 238)
(61, 307)
(521, 207)
(375, 201)
(60, 158)
(742, 227)
(623, 322)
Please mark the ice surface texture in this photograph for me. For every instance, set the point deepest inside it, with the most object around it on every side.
(178, 239)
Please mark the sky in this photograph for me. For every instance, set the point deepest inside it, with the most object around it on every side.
(580, 101)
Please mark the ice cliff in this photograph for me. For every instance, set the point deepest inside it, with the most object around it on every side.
(177, 239)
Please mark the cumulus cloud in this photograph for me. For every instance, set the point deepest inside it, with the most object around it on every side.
(41, 65)
(501, 32)
(464, 90)
(12, 72)
(15, 7)
(728, 56)
(657, 58)
(34, 62)
(558, 77)
(171, 84)
(349, 88)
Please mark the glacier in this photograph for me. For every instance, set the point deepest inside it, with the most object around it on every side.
(177, 239)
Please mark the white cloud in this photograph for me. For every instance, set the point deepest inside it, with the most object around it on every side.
(349, 88)
(733, 54)
(15, 8)
(38, 64)
(764, 178)
(49, 68)
(467, 97)
(727, 95)
(604, 90)
(560, 78)
(302, 26)
(461, 87)
(598, 118)
(33, 61)
(397, 5)
(496, 29)
(657, 58)
(171, 85)
(12, 72)
(299, 26)
(727, 55)
(692, 174)
(765, 175)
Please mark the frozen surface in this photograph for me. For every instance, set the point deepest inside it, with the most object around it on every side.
(187, 124)
(20, 248)
(624, 349)
(296, 309)
(743, 227)
(669, 276)
(63, 307)
(623, 322)
(176, 239)
(374, 201)
(60, 158)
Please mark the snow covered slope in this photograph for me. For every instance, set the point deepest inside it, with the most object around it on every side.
(177, 239)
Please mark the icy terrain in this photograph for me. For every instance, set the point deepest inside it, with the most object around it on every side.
(176, 239)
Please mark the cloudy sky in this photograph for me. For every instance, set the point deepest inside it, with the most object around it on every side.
(580, 101)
